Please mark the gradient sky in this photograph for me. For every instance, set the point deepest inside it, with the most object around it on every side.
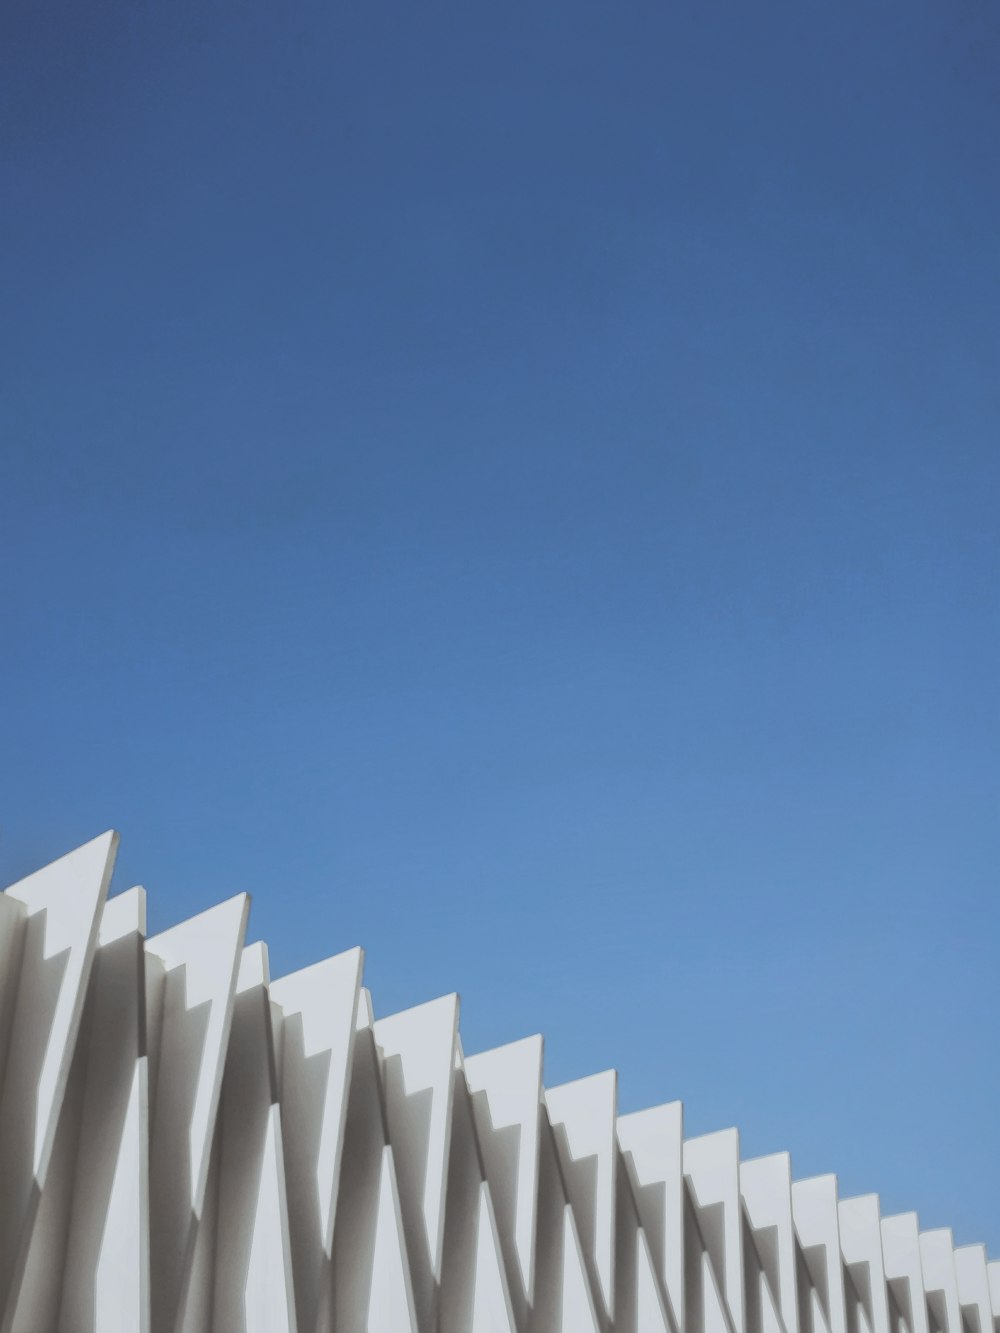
(517, 486)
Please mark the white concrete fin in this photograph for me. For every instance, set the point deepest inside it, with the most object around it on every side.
(48, 937)
(715, 1314)
(766, 1189)
(418, 1069)
(361, 1188)
(546, 1306)
(194, 978)
(770, 1316)
(652, 1314)
(123, 915)
(974, 1287)
(186, 1147)
(626, 1253)
(993, 1274)
(456, 1295)
(577, 1313)
(13, 914)
(270, 1292)
(904, 1276)
(583, 1119)
(371, 1290)
(36, 1301)
(491, 1308)
(318, 1007)
(252, 1286)
(818, 1322)
(635, 1308)
(861, 1247)
(640, 1298)
(506, 1089)
(195, 1313)
(698, 1273)
(254, 968)
(474, 1289)
(712, 1170)
(651, 1143)
(391, 1306)
(815, 1211)
(937, 1260)
(92, 1220)
(366, 1014)
(106, 1283)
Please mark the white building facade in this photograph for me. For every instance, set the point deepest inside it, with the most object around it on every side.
(187, 1146)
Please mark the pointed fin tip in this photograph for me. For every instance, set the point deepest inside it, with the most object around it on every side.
(253, 967)
(302, 973)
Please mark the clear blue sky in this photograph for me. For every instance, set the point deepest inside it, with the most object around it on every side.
(517, 486)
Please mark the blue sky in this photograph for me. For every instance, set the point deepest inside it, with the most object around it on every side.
(517, 487)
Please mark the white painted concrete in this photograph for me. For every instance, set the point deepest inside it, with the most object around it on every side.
(49, 928)
(417, 1049)
(506, 1089)
(815, 1209)
(712, 1173)
(903, 1272)
(583, 1118)
(652, 1152)
(313, 1016)
(191, 973)
(766, 1188)
(189, 1147)
(937, 1259)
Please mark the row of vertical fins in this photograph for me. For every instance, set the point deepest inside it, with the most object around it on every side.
(187, 1146)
